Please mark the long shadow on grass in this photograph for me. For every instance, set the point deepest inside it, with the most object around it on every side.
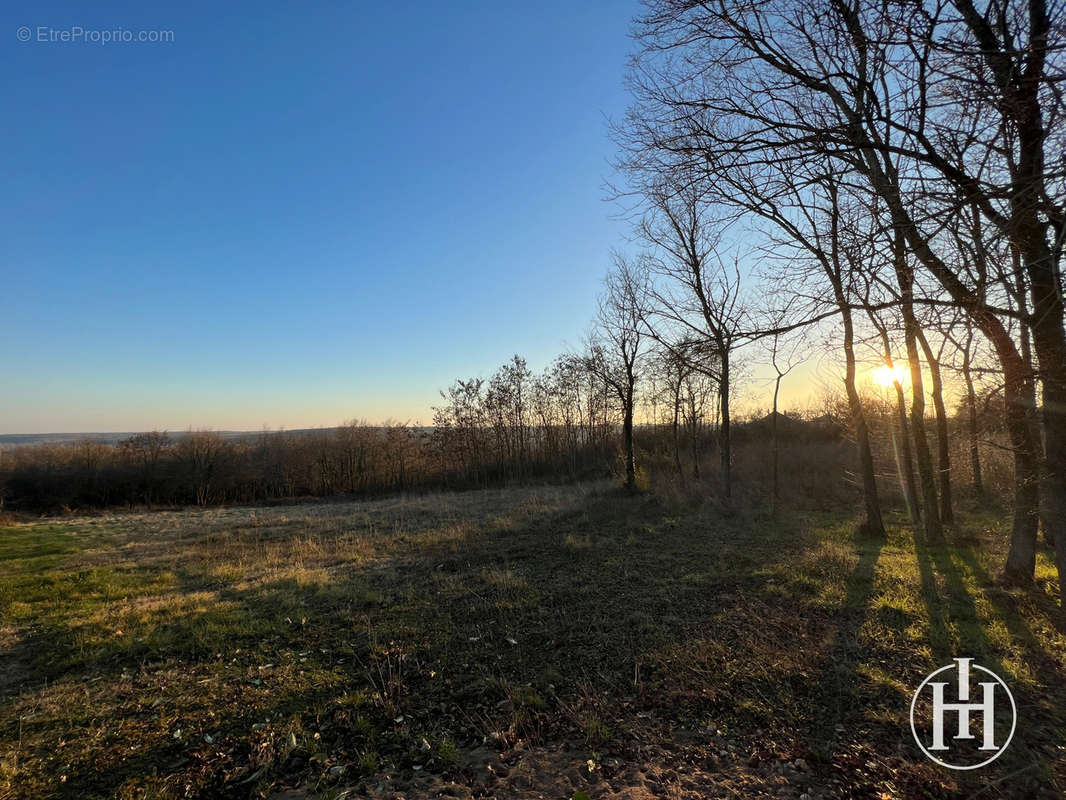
(957, 610)
(230, 766)
(1042, 716)
(497, 624)
(571, 615)
(1005, 606)
(298, 627)
(939, 632)
(838, 697)
(958, 607)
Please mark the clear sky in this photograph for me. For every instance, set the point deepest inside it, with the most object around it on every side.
(292, 216)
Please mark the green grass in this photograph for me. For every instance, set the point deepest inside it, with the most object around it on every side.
(237, 652)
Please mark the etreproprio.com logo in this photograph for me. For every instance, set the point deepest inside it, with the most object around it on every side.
(78, 34)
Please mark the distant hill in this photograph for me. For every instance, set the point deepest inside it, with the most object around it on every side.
(8, 440)
(17, 439)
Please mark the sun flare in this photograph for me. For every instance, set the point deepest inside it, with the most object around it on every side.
(886, 375)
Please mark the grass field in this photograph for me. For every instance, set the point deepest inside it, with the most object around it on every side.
(540, 642)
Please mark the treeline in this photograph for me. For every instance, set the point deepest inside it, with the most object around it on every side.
(516, 423)
(512, 426)
(564, 423)
(206, 468)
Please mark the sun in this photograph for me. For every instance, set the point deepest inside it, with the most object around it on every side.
(886, 375)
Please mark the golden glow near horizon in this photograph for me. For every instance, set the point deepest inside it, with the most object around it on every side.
(886, 376)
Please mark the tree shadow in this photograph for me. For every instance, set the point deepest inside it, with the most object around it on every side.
(953, 611)
(1005, 605)
(229, 766)
(957, 630)
(513, 627)
(939, 632)
(838, 696)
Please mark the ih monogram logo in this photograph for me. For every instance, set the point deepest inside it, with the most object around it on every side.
(962, 747)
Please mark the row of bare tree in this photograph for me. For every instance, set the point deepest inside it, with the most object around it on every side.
(208, 468)
(516, 423)
(513, 426)
(886, 175)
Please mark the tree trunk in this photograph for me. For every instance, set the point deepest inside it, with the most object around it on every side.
(1026, 348)
(1021, 95)
(873, 525)
(774, 450)
(677, 434)
(725, 451)
(627, 435)
(1049, 341)
(695, 438)
(1017, 383)
(947, 511)
(971, 414)
(1028, 231)
(930, 511)
(1021, 558)
(906, 457)
(834, 270)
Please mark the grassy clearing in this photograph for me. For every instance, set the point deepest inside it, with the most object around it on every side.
(241, 651)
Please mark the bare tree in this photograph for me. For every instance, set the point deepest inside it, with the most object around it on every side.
(147, 450)
(699, 296)
(615, 352)
(672, 369)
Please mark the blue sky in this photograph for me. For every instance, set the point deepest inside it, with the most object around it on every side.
(292, 217)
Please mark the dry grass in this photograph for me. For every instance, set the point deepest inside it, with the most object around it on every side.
(234, 652)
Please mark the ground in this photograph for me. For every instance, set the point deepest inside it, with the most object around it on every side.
(555, 642)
